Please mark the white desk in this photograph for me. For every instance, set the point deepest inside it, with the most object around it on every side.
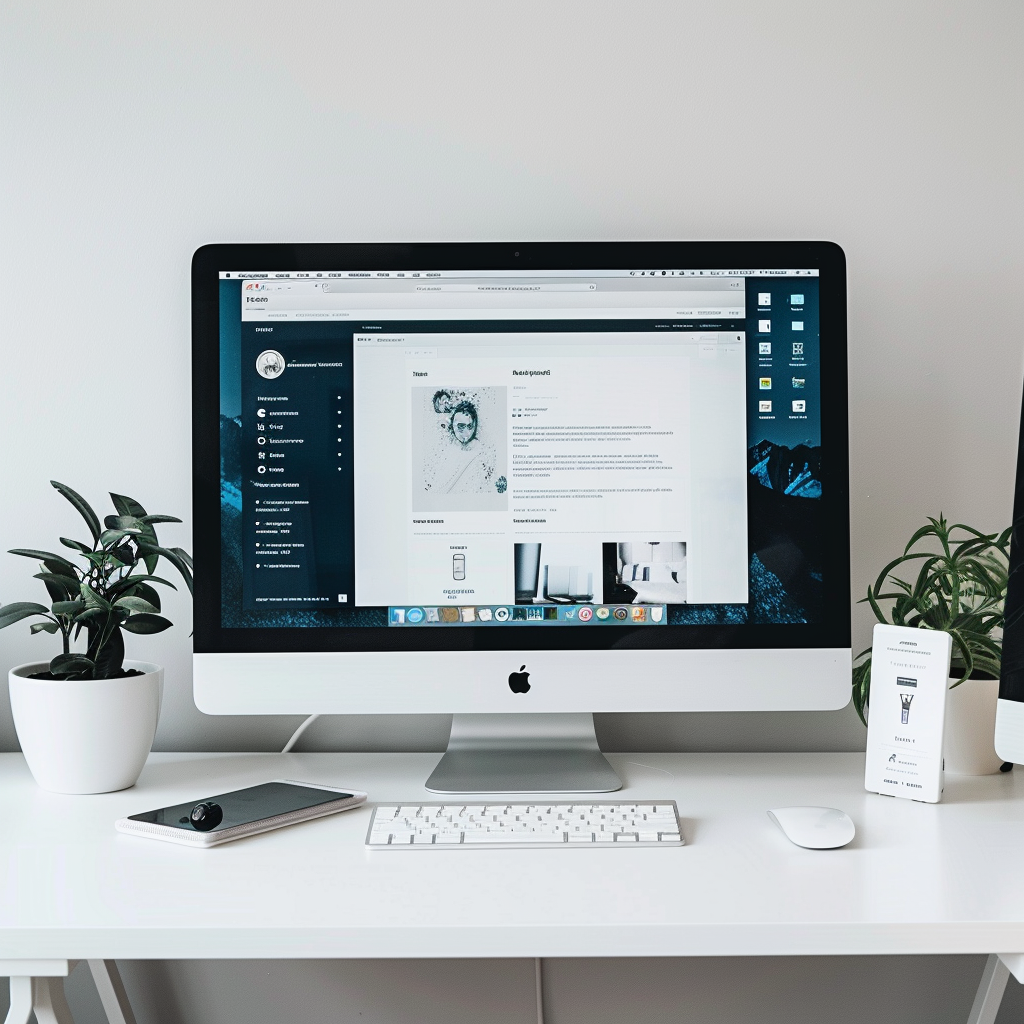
(918, 878)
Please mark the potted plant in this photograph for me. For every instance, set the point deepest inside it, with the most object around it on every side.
(959, 587)
(86, 720)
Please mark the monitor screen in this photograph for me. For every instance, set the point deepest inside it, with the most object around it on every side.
(434, 447)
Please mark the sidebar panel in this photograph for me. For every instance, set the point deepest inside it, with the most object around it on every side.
(297, 468)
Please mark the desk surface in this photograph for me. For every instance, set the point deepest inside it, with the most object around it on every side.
(918, 878)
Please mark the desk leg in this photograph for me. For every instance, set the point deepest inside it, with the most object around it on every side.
(21, 1001)
(49, 1003)
(111, 991)
(990, 992)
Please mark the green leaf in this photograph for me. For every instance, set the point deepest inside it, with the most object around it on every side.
(84, 508)
(75, 545)
(43, 556)
(43, 627)
(71, 664)
(18, 610)
(925, 531)
(60, 593)
(67, 582)
(127, 506)
(128, 582)
(183, 555)
(92, 599)
(61, 583)
(128, 523)
(61, 568)
(135, 604)
(67, 607)
(90, 615)
(862, 688)
(108, 537)
(172, 556)
(148, 593)
(160, 519)
(874, 607)
(125, 553)
(147, 624)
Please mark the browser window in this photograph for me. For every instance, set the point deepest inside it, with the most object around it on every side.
(442, 448)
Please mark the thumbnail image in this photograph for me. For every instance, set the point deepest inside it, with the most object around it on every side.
(645, 572)
(558, 572)
(459, 449)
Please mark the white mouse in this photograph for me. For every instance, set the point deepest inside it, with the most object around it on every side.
(816, 828)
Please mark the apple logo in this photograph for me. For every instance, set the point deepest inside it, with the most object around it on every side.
(519, 682)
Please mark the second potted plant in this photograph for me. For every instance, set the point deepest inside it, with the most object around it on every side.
(959, 587)
(86, 720)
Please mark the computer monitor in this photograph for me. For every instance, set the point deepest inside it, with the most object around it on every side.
(1009, 736)
(521, 483)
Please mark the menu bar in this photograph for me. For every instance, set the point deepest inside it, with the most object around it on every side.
(382, 275)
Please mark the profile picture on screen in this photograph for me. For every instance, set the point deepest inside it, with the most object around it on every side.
(459, 450)
(270, 364)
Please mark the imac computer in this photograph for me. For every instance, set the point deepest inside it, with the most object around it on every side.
(520, 483)
(1009, 734)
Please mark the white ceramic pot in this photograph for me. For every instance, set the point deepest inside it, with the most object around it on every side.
(86, 735)
(969, 745)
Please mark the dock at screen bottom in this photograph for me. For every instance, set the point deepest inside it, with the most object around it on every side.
(530, 615)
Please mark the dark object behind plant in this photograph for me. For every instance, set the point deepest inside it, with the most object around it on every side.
(105, 596)
(960, 587)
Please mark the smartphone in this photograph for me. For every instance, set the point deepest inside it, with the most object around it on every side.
(244, 812)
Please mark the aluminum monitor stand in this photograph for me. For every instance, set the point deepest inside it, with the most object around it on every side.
(529, 753)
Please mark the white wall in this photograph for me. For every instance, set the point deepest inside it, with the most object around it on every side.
(131, 134)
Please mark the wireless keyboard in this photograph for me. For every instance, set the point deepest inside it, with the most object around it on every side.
(499, 826)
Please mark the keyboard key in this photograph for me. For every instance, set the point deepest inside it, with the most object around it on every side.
(507, 838)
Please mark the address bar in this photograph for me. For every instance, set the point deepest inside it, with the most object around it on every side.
(566, 287)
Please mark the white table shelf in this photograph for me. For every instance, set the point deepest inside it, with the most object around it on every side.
(918, 878)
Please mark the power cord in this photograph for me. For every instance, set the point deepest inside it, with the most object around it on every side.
(298, 732)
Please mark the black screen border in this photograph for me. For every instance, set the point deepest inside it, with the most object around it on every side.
(834, 629)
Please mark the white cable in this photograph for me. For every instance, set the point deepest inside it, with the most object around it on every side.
(538, 976)
(298, 732)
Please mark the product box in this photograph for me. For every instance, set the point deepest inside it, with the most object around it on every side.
(907, 712)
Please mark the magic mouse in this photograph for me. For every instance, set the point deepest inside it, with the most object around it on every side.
(816, 828)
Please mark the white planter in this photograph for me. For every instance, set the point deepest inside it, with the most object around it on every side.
(86, 735)
(969, 745)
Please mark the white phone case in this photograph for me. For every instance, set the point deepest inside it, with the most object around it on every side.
(351, 798)
(907, 712)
